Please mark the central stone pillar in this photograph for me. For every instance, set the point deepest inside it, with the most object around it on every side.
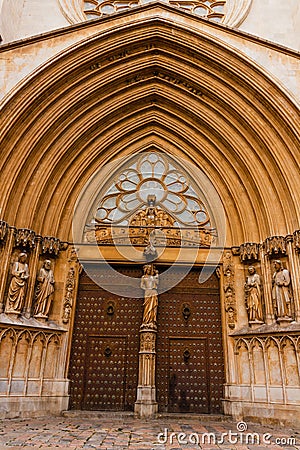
(146, 405)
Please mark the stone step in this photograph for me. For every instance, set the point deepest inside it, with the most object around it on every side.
(121, 414)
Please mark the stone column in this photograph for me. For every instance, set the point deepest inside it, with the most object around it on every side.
(146, 405)
(5, 266)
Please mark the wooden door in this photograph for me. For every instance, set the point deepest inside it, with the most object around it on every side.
(190, 367)
(105, 345)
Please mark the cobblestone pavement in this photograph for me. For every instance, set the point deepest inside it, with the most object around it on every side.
(122, 431)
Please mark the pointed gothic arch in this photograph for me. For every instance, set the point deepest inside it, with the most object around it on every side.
(154, 82)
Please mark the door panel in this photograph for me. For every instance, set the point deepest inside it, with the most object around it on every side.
(105, 373)
(188, 375)
(190, 310)
(105, 322)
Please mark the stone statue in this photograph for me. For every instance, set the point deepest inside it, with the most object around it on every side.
(281, 291)
(149, 283)
(253, 296)
(16, 291)
(44, 292)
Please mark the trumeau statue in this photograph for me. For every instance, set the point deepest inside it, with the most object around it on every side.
(149, 283)
(281, 293)
(16, 291)
(253, 296)
(44, 291)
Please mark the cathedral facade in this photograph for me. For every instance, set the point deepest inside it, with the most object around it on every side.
(149, 233)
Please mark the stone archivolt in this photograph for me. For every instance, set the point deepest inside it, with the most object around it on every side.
(170, 117)
(78, 111)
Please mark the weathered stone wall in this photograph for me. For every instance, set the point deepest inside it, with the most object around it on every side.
(34, 326)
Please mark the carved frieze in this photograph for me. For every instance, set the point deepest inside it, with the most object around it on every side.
(50, 245)
(229, 293)
(275, 245)
(249, 251)
(25, 238)
(3, 229)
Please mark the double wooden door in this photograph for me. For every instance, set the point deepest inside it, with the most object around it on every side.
(104, 357)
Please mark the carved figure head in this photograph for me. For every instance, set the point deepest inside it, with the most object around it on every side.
(148, 269)
(47, 264)
(22, 257)
(277, 264)
(251, 270)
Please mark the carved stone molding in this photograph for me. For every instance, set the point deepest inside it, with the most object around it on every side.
(229, 12)
(229, 293)
(3, 230)
(236, 12)
(249, 251)
(51, 245)
(275, 245)
(296, 236)
(25, 238)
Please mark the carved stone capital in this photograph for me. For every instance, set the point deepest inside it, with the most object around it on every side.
(25, 238)
(249, 251)
(50, 245)
(275, 245)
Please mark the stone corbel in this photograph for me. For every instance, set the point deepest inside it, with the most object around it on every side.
(249, 251)
(275, 246)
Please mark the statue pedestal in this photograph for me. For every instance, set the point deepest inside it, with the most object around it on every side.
(13, 314)
(146, 405)
(255, 324)
(284, 321)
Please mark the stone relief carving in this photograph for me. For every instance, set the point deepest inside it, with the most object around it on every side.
(275, 245)
(25, 238)
(69, 295)
(281, 293)
(147, 343)
(296, 236)
(44, 291)
(17, 287)
(249, 251)
(50, 245)
(3, 229)
(253, 296)
(149, 283)
(230, 303)
(270, 353)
